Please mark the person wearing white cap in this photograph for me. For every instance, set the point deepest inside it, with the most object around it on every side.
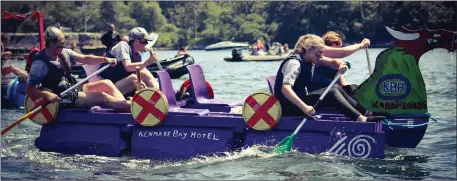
(128, 53)
(51, 69)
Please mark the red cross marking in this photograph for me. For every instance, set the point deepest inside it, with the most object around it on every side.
(47, 115)
(261, 111)
(149, 107)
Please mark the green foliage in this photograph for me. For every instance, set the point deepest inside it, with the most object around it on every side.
(200, 23)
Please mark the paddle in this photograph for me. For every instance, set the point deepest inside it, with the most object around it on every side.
(138, 76)
(158, 64)
(36, 110)
(286, 144)
(369, 62)
(148, 55)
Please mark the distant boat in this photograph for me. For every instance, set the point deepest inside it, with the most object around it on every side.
(226, 45)
(276, 53)
(263, 58)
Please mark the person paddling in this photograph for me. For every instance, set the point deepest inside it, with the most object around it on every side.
(50, 68)
(123, 74)
(333, 49)
(294, 76)
(323, 74)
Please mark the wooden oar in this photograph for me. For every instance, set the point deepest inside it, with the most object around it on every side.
(369, 62)
(36, 110)
(138, 78)
(286, 144)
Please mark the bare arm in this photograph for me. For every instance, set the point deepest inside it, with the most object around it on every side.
(33, 91)
(89, 59)
(6, 54)
(18, 71)
(131, 66)
(292, 97)
(345, 51)
(341, 52)
(331, 62)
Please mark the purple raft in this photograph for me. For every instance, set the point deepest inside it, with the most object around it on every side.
(204, 126)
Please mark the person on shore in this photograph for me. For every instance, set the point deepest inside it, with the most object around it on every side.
(110, 38)
(51, 69)
(295, 74)
(128, 54)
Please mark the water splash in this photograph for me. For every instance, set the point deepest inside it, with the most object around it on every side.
(255, 151)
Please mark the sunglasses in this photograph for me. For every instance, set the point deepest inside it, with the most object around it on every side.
(143, 41)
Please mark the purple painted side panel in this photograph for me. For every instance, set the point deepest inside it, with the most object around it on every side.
(78, 131)
(342, 138)
(80, 138)
(182, 137)
(191, 132)
(211, 107)
(176, 143)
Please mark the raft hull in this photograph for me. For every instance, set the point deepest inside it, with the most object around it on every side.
(206, 128)
(183, 136)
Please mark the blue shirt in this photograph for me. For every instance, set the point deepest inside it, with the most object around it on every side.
(39, 69)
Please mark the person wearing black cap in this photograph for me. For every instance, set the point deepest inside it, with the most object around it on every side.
(128, 54)
(51, 69)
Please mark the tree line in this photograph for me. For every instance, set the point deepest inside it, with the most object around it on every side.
(200, 23)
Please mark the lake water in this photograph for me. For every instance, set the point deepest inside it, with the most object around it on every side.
(434, 157)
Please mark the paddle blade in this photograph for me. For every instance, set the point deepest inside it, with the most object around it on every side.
(21, 119)
(285, 145)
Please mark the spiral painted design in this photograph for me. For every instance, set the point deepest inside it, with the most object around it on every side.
(360, 146)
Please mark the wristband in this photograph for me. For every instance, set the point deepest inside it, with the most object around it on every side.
(106, 60)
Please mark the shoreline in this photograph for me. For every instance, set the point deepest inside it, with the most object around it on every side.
(24, 42)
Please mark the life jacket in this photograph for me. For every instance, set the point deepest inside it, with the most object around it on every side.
(118, 72)
(58, 78)
(323, 76)
(303, 80)
(32, 53)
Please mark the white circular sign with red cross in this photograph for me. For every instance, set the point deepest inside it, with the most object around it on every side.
(261, 111)
(149, 107)
(46, 115)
